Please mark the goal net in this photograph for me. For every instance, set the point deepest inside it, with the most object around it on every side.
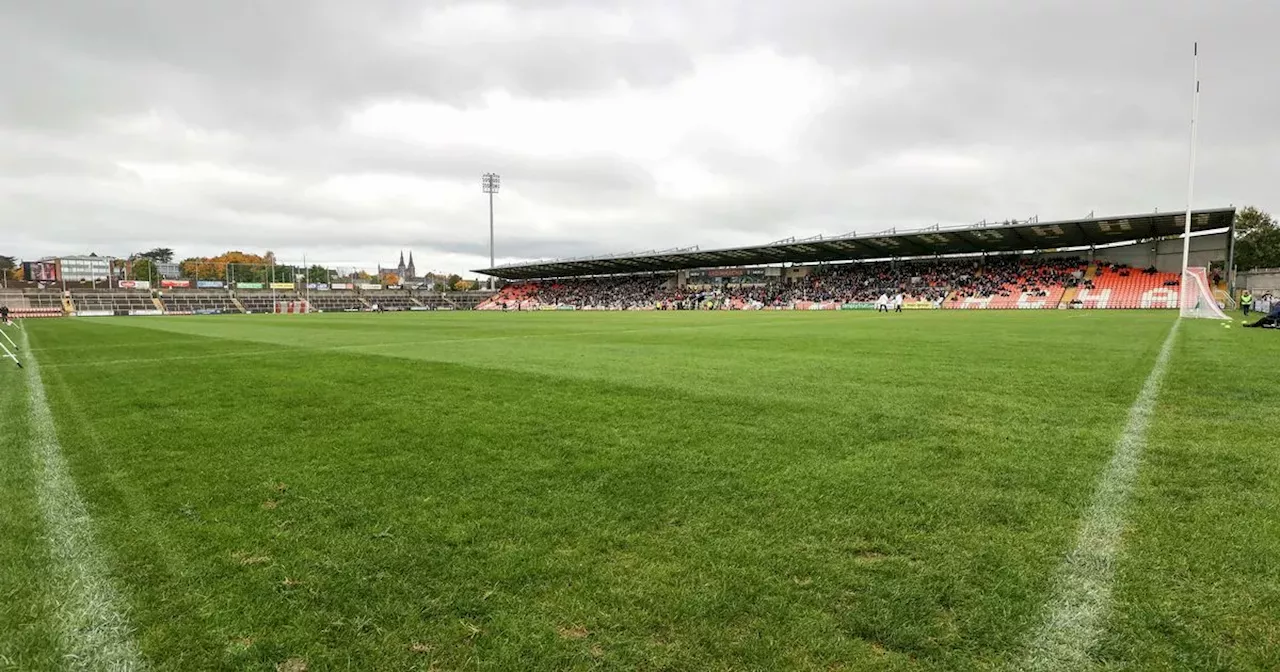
(1196, 298)
(292, 307)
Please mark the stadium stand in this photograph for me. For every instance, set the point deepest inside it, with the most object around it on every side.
(114, 302)
(336, 301)
(467, 300)
(263, 301)
(391, 299)
(1119, 286)
(1017, 283)
(994, 282)
(47, 301)
(983, 266)
(188, 302)
(31, 304)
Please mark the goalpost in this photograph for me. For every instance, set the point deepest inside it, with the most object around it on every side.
(291, 307)
(1195, 299)
(9, 354)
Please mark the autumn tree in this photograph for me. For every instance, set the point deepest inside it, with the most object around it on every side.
(233, 266)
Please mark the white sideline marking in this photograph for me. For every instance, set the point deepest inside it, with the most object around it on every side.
(1082, 588)
(95, 633)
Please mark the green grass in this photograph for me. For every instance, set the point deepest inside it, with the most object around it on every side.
(27, 638)
(692, 491)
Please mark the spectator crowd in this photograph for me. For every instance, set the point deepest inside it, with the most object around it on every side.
(919, 280)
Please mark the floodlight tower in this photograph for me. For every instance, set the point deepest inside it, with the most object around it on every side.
(489, 183)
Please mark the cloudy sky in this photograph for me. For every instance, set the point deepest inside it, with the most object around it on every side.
(351, 129)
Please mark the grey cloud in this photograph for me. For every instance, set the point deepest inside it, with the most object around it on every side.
(118, 229)
(1067, 106)
(284, 64)
(323, 155)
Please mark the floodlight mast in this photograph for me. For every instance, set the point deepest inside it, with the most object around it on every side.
(489, 183)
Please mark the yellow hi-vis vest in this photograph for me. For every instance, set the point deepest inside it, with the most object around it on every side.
(1246, 299)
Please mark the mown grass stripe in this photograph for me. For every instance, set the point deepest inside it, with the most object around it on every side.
(1083, 584)
(91, 620)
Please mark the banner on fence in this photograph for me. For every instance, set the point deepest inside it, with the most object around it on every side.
(918, 305)
(175, 283)
(249, 285)
(209, 284)
(281, 285)
(858, 305)
(146, 312)
(94, 313)
(135, 284)
(418, 308)
(393, 286)
(368, 286)
(342, 285)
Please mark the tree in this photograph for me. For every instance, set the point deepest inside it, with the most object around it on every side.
(452, 281)
(162, 255)
(1257, 240)
(7, 263)
(191, 268)
(232, 265)
(318, 274)
(390, 279)
(142, 268)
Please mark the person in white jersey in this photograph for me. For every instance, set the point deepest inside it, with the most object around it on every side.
(897, 302)
(882, 304)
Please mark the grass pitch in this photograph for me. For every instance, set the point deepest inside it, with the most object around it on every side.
(683, 491)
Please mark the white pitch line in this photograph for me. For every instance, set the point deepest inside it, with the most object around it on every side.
(91, 620)
(1082, 587)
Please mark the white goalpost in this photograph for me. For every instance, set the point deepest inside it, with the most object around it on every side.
(1196, 297)
(9, 354)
